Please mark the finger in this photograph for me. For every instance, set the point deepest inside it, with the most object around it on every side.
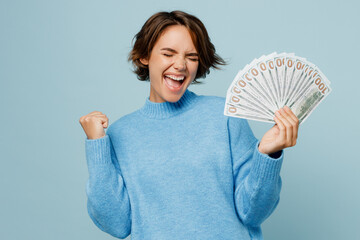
(281, 126)
(288, 127)
(106, 124)
(293, 123)
(296, 123)
(291, 114)
(95, 116)
(98, 115)
(95, 113)
(103, 119)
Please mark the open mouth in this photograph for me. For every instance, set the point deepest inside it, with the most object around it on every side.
(173, 82)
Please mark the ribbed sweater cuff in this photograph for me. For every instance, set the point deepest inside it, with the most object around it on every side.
(265, 167)
(98, 151)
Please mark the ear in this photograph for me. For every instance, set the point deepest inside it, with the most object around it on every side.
(144, 61)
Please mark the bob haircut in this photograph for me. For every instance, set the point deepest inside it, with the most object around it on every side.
(152, 30)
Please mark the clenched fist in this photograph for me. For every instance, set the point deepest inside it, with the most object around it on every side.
(94, 124)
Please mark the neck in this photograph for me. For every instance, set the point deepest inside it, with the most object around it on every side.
(166, 109)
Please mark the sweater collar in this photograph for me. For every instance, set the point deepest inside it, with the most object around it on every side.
(168, 109)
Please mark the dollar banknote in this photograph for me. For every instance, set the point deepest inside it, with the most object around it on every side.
(273, 81)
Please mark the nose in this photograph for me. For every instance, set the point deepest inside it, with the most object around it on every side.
(180, 64)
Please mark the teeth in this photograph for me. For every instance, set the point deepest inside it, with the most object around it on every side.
(175, 78)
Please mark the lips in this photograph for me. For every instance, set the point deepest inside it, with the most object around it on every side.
(173, 85)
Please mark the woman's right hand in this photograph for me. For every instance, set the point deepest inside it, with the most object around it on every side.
(94, 124)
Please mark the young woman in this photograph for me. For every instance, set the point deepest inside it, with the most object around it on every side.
(178, 168)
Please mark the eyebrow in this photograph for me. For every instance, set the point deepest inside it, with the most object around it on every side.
(174, 51)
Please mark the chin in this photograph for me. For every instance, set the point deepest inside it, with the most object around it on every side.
(173, 98)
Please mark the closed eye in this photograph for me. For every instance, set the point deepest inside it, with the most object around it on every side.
(167, 55)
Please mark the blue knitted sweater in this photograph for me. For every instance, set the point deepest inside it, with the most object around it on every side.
(181, 171)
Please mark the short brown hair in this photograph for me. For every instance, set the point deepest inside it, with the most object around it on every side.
(152, 29)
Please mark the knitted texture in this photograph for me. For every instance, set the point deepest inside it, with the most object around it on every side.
(181, 170)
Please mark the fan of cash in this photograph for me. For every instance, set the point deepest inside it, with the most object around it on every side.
(272, 82)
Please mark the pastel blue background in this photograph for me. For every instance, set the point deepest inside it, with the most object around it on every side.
(60, 60)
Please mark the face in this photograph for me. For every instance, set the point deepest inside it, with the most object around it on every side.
(173, 64)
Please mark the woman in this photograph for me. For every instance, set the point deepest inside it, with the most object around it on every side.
(178, 168)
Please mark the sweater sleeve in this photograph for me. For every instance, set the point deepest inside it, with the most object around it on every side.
(257, 181)
(108, 201)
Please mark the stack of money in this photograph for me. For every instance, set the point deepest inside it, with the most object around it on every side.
(272, 82)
